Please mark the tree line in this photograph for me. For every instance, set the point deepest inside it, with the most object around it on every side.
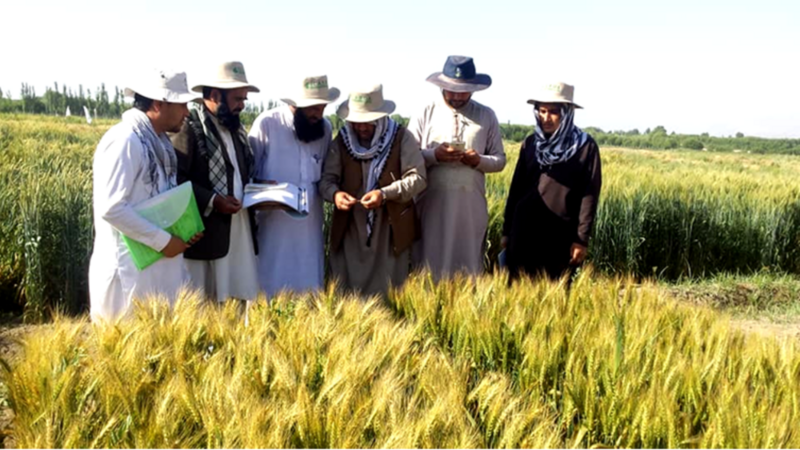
(56, 99)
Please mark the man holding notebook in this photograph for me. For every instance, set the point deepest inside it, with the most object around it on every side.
(214, 154)
(134, 162)
(289, 144)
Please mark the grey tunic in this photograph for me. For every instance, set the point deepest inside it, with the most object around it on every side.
(453, 209)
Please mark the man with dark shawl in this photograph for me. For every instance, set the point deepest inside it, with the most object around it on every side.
(372, 173)
(553, 197)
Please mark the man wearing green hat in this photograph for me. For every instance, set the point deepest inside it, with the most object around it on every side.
(214, 154)
(371, 174)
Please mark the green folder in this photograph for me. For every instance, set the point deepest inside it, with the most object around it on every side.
(174, 211)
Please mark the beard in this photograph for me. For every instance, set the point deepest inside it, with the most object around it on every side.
(307, 131)
(456, 104)
(227, 118)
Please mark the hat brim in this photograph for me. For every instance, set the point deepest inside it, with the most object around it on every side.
(346, 114)
(333, 94)
(183, 97)
(225, 85)
(479, 83)
(554, 100)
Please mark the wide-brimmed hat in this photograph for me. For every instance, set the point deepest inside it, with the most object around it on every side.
(170, 87)
(229, 75)
(459, 75)
(555, 93)
(315, 91)
(365, 106)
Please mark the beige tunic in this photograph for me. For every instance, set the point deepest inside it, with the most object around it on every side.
(370, 270)
(453, 209)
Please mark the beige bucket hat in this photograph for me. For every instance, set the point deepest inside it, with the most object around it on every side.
(229, 75)
(315, 91)
(555, 93)
(165, 86)
(365, 106)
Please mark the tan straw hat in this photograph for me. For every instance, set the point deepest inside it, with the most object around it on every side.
(315, 91)
(365, 106)
(555, 93)
(163, 86)
(229, 75)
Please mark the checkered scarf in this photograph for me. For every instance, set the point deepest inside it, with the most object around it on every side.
(377, 155)
(561, 145)
(160, 159)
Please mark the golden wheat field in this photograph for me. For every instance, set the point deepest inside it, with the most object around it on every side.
(616, 361)
(461, 364)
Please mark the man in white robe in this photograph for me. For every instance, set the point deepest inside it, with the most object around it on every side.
(461, 142)
(290, 143)
(135, 161)
(214, 154)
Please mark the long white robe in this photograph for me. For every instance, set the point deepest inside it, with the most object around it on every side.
(119, 168)
(453, 210)
(234, 275)
(291, 252)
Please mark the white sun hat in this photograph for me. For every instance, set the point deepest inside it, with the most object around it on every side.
(229, 75)
(366, 105)
(314, 91)
(170, 87)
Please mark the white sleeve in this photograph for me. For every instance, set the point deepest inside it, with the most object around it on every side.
(259, 143)
(115, 168)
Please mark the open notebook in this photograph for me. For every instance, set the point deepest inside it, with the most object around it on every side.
(287, 194)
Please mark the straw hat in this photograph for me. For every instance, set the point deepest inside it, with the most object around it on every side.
(314, 92)
(459, 75)
(230, 75)
(555, 93)
(163, 86)
(365, 106)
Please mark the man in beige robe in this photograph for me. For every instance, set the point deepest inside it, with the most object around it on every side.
(461, 142)
(372, 172)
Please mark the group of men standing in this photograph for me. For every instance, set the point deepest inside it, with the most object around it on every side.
(403, 197)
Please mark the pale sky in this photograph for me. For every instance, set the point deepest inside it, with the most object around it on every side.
(692, 66)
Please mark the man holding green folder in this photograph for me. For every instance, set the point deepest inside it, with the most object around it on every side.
(134, 162)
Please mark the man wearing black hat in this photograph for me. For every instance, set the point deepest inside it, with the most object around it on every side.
(461, 142)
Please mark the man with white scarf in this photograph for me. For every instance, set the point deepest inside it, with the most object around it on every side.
(135, 161)
(461, 142)
(372, 173)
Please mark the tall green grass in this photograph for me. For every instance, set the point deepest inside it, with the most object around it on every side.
(45, 206)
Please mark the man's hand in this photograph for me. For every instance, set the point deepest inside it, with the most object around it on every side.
(504, 242)
(226, 204)
(343, 200)
(372, 199)
(471, 158)
(577, 254)
(176, 246)
(445, 153)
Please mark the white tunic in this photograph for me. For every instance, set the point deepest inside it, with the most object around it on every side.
(290, 250)
(119, 168)
(234, 275)
(453, 210)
